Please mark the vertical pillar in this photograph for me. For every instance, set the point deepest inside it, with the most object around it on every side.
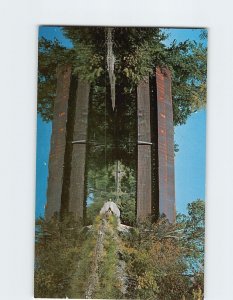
(166, 178)
(58, 142)
(144, 150)
(77, 176)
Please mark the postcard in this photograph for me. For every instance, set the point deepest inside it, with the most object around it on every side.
(120, 188)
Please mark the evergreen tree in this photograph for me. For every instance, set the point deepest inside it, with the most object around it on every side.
(138, 51)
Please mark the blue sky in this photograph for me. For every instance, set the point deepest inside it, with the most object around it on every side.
(191, 138)
(190, 160)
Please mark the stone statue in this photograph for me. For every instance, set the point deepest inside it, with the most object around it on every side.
(110, 208)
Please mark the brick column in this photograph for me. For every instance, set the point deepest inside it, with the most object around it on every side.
(58, 142)
(166, 179)
(78, 162)
(144, 150)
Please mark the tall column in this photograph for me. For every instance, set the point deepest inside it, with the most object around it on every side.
(166, 178)
(58, 142)
(144, 150)
(77, 176)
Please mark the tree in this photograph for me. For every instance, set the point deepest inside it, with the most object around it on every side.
(165, 261)
(57, 250)
(160, 260)
(194, 238)
(137, 52)
(51, 53)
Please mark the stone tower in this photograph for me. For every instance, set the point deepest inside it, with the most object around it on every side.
(66, 186)
(155, 169)
(155, 146)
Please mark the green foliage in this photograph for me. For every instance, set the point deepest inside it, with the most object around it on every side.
(106, 282)
(89, 47)
(109, 287)
(82, 267)
(128, 208)
(155, 255)
(51, 53)
(132, 48)
(102, 185)
(188, 63)
(138, 51)
(163, 261)
(57, 250)
(194, 236)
